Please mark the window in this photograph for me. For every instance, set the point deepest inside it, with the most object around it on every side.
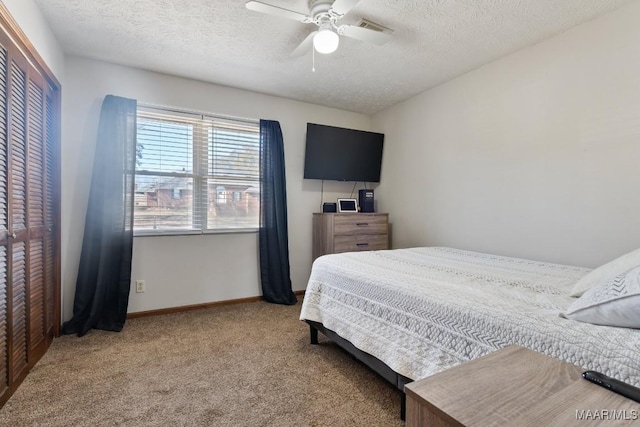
(195, 173)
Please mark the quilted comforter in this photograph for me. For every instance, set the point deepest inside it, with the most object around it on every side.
(423, 310)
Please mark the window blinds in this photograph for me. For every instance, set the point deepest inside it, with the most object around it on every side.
(195, 173)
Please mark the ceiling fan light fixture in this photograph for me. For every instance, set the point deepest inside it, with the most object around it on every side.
(326, 41)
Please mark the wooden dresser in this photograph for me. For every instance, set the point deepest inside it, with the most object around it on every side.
(348, 232)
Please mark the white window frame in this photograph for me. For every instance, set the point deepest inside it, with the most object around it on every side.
(200, 148)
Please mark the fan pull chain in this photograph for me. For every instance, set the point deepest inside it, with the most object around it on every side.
(313, 56)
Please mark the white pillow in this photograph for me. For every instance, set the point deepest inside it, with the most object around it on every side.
(606, 272)
(615, 303)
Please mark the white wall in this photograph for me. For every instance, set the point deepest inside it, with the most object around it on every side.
(33, 24)
(187, 270)
(536, 155)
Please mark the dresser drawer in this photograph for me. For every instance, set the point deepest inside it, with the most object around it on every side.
(356, 224)
(374, 242)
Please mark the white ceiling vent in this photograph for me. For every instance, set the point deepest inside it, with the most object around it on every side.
(373, 26)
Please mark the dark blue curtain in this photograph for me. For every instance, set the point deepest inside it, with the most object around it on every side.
(274, 237)
(104, 274)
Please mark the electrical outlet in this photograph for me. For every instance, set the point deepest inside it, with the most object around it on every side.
(139, 286)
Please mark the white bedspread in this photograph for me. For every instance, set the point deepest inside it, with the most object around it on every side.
(424, 310)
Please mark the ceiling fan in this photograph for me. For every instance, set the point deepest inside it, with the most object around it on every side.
(325, 14)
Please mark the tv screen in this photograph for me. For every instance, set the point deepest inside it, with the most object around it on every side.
(342, 154)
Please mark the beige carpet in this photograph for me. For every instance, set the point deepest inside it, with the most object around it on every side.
(241, 365)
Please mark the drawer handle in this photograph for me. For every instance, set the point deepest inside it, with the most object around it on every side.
(362, 224)
(362, 244)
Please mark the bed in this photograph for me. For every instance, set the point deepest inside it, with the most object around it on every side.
(415, 312)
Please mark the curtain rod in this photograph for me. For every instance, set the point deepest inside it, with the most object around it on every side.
(201, 113)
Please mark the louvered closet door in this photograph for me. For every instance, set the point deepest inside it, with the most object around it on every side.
(27, 217)
(36, 136)
(18, 233)
(29, 212)
(4, 226)
(50, 215)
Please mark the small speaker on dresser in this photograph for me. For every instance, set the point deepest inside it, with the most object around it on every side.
(365, 199)
(329, 207)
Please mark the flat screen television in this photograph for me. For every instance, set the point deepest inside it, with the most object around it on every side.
(342, 154)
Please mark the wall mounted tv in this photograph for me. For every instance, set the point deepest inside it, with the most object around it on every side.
(342, 154)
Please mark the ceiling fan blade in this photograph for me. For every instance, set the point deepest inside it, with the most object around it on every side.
(364, 34)
(276, 11)
(305, 46)
(341, 7)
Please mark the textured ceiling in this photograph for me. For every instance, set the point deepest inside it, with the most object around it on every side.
(222, 42)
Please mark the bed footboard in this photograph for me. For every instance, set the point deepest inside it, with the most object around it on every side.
(372, 362)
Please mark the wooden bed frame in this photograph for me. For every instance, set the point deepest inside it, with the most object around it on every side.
(372, 362)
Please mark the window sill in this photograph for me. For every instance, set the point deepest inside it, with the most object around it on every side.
(151, 233)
